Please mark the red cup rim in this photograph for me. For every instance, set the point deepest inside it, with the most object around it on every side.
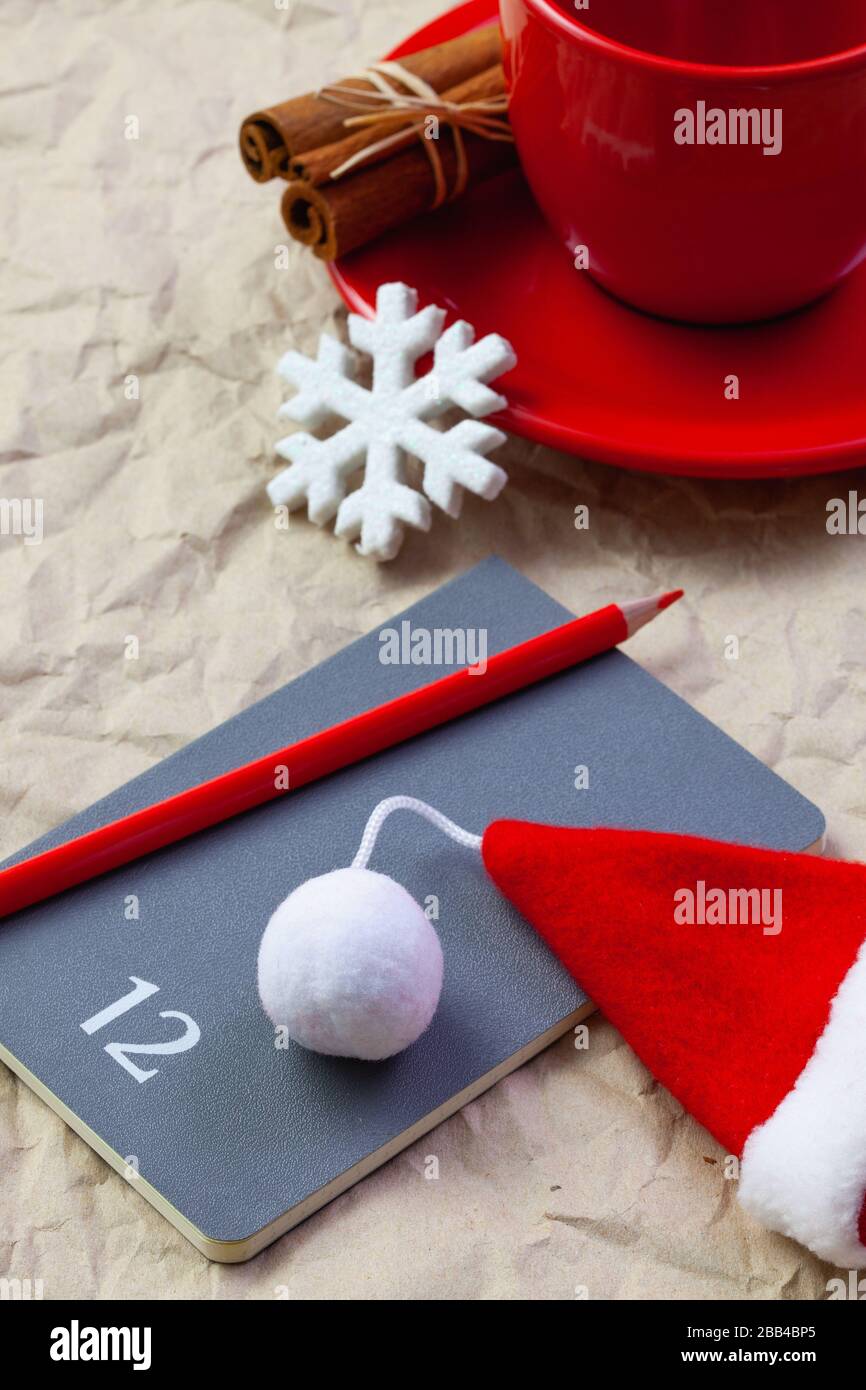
(557, 19)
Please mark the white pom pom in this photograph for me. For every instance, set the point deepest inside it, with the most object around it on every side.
(350, 966)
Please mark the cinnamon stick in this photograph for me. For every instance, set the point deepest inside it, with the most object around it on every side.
(317, 165)
(337, 217)
(271, 138)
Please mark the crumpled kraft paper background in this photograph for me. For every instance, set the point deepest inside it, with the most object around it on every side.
(155, 258)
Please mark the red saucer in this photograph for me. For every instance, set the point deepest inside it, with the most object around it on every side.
(606, 382)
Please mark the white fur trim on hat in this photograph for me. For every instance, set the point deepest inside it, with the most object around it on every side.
(803, 1171)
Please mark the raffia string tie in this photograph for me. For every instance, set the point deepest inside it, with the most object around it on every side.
(403, 113)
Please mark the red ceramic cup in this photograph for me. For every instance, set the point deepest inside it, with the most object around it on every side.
(703, 192)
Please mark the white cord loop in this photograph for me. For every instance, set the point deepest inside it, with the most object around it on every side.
(400, 113)
(409, 803)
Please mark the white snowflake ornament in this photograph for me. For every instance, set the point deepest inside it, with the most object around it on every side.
(389, 421)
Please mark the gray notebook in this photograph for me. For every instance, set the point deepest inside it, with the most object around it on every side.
(145, 1033)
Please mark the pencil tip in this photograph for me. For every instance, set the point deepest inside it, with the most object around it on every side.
(640, 611)
(670, 597)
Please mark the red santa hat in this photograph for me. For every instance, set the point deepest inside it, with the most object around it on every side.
(738, 976)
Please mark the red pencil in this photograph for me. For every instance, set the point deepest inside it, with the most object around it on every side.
(288, 768)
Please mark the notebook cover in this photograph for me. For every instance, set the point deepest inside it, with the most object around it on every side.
(232, 1135)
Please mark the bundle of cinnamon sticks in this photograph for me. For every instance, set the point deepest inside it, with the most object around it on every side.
(394, 170)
